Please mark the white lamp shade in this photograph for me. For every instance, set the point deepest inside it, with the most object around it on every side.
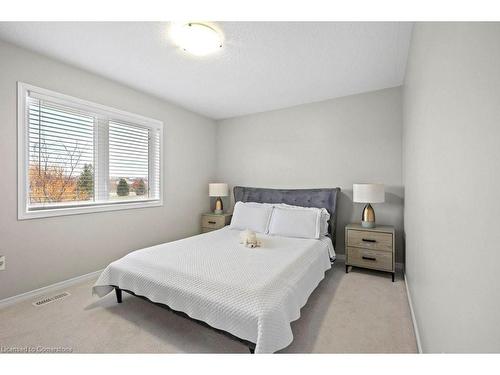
(368, 193)
(218, 190)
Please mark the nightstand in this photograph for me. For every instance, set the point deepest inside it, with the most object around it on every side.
(211, 221)
(372, 248)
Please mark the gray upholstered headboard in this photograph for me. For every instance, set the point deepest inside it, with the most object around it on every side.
(320, 198)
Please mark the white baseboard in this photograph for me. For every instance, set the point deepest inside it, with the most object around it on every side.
(47, 289)
(413, 319)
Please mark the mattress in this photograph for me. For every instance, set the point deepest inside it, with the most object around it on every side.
(253, 294)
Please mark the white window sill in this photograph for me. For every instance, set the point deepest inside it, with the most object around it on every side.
(89, 208)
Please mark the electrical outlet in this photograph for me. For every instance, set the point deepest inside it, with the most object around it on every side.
(2, 262)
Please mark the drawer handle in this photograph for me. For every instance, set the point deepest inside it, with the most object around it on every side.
(211, 222)
(368, 240)
(368, 258)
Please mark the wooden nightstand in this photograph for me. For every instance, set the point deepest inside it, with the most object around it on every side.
(370, 248)
(211, 221)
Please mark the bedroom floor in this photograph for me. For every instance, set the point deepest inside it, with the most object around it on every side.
(359, 312)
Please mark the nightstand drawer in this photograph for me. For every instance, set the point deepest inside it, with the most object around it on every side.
(375, 259)
(369, 239)
(213, 221)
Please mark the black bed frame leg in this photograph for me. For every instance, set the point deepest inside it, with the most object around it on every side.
(118, 292)
(251, 349)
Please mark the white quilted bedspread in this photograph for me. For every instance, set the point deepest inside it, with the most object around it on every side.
(253, 294)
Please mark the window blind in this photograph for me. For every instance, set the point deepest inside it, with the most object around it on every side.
(128, 161)
(155, 161)
(61, 154)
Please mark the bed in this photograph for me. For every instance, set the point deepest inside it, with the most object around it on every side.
(251, 295)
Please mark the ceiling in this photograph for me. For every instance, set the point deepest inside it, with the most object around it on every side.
(262, 66)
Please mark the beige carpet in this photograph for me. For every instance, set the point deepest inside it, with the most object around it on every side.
(359, 312)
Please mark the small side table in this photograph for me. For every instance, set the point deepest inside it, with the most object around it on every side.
(211, 221)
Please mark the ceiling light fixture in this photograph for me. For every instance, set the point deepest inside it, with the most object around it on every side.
(196, 38)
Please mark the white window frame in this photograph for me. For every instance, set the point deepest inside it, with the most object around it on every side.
(23, 154)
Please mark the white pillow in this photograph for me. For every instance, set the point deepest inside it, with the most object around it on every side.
(295, 222)
(324, 216)
(252, 216)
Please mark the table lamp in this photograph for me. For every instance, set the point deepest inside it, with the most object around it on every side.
(218, 190)
(368, 193)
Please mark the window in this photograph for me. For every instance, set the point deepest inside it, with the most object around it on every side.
(76, 156)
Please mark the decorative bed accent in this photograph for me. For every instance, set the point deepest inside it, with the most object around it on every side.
(249, 239)
(250, 294)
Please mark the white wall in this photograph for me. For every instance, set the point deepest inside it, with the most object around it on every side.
(332, 143)
(451, 177)
(44, 251)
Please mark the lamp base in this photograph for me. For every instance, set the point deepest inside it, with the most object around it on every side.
(219, 208)
(368, 224)
(368, 217)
